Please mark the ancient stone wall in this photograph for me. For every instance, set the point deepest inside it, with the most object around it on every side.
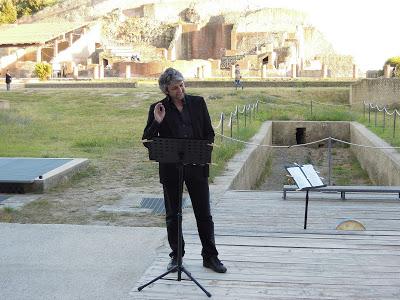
(189, 69)
(285, 132)
(208, 42)
(378, 91)
(382, 165)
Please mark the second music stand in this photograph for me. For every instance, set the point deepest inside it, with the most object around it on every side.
(306, 179)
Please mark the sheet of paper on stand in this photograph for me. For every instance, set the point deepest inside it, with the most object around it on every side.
(298, 177)
(312, 175)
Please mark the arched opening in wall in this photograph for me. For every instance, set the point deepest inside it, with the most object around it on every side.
(265, 60)
(300, 135)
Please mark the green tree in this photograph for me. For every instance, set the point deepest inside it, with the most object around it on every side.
(29, 7)
(43, 70)
(8, 12)
(394, 62)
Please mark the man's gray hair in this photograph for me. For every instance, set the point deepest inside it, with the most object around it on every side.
(169, 76)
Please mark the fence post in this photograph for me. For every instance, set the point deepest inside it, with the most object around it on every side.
(250, 110)
(222, 126)
(351, 113)
(384, 118)
(364, 109)
(369, 114)
(311, 108)
(230, 122)
(329, 160)
(245, 115)
(237, 118)
(376, 115)
(394, 123)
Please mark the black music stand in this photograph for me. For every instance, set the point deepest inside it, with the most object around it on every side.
(182, 152)
(306, 179)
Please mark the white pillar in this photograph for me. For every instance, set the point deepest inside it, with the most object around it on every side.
(101, 71)
(233, 71)
(263, 71)
(324, 71)
(294, 70)
(39, 54)
(127, 71)
(55, 48)
(198, 73)
(75, 72)
(96, 72)
(387, 71)
(355, 73)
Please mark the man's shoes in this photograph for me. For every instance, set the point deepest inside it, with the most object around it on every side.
(214, 264)
(172, 264)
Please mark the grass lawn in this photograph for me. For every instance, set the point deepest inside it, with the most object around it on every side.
(97, 123)
(106, 125)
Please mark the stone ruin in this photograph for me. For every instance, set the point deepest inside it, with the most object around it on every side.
(142, 41)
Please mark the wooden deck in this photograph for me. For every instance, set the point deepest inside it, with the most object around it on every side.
(269, 256)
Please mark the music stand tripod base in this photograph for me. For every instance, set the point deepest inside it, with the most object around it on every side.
(181, 152)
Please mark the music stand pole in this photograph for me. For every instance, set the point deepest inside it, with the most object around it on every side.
(179, 267)
(306, 211)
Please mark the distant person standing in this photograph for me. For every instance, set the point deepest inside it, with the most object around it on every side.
(8, 80)
(238, 77)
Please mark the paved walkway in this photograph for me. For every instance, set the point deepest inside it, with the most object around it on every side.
(270, 256)
(74, 262)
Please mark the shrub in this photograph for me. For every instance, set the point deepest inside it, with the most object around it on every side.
(8, 12)
(43, 70)
(393, 61)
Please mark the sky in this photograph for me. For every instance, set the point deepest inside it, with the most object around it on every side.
(368, 30)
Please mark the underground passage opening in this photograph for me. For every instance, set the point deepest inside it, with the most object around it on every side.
(300, 135)
(335, 161)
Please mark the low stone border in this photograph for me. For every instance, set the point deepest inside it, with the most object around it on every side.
(81, 85)
(292, 84)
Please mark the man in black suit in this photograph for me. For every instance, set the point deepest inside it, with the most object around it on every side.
(180, 115)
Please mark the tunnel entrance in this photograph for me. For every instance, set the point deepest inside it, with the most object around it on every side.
(300, 135)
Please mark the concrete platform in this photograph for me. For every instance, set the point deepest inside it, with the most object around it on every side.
(26, 174)
(74, 262)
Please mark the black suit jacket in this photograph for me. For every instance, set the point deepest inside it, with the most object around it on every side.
(202, 129)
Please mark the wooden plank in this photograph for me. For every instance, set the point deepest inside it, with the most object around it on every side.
(269, 256)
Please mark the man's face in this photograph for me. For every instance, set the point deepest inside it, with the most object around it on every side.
(176, 90)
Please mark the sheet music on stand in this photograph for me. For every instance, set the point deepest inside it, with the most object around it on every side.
(305, 176)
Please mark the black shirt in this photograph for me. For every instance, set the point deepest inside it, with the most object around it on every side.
(183, 120)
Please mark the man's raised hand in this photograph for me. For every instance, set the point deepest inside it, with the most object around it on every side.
(159, 112)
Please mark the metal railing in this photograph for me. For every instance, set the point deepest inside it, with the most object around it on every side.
(385, 116)
(239, 117)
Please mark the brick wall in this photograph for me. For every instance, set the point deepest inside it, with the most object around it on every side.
(379, 91)
(206, 42)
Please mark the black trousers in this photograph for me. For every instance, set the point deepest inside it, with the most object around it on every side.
(200, 196)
